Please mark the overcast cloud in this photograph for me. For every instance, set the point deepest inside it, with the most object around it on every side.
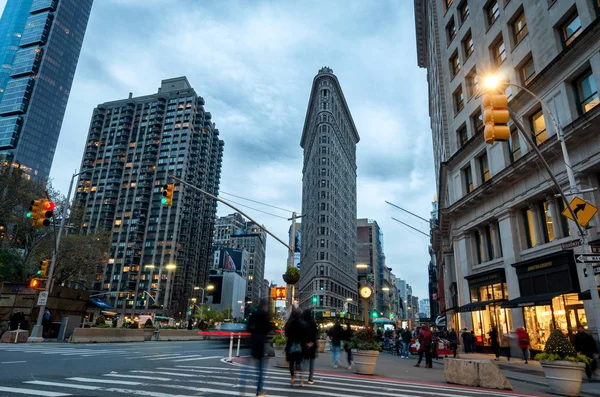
(254, 62)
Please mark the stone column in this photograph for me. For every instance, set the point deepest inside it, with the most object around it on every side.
(507, 226)
(537, 226)
(498, 252)
(462, 269)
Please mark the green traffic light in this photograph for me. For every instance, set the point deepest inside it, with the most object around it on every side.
(163, 200)
(28, 215)
(39, 272)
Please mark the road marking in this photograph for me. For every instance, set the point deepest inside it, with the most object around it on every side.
(155, 355)
(144, 393)
(75, 386)
(179, 356)
(138, 376)
(91, 380)
(12, 362)
(31, 392)
(163, 373)
(193, 359)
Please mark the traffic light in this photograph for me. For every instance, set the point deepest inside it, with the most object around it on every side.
(375, 314)
(35, 283)
(34, 210)
(43, 272)
(44, 213)
(167, 194)
(315, 300)
(495, 117)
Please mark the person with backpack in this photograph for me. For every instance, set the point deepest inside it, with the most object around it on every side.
(425, 346)
(295, 331)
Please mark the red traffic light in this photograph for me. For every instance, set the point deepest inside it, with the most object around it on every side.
(49, 206)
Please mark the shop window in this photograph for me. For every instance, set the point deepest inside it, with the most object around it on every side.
(484, 168)
(587, 93)
(492, 11)
(463, 11)
(514, 144)
(529, 228)
(547, 221)
(519, 27)
(467, 44)
(468, 178)
(538, 126)
(570, 29)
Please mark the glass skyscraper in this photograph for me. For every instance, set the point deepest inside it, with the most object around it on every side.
(40, 42)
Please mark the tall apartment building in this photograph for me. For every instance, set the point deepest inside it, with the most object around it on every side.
(39, 50)
(503, 249)
(234, 231)
(133, 145)
(370, 260)
(328, 256)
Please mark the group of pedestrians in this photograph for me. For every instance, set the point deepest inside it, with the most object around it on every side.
(301, 346)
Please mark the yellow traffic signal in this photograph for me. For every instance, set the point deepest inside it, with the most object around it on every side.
(34, 211)
(43, 273)
(45, 213)
(167, 194)
(495, 117)
(35, 283)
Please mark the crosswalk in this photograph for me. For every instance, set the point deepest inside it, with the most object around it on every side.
(228, 380)
(126, 354)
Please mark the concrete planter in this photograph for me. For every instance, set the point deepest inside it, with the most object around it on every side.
(148, 334)
(365, 361)
(564, 377)
(321, 345)
(280, 358)
(106, 335)
(179, 335)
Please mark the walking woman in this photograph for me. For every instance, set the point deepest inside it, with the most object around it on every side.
(295, 333)
(495, 342)
(310, 344)
(523, 340)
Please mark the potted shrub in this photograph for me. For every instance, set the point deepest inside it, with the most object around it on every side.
(278, 342)
(562, 365)
(148, 329)
(292, 275)
(365, 349)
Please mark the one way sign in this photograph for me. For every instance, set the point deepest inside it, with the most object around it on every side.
(587, 258)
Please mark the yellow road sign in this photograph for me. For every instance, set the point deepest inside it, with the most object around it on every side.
(583, 210)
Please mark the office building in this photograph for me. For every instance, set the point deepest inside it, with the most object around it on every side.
(228, 294)
(505, 251)
(328, 256)
(39, 50)
(159, 253)
(424, 310)
(370, 260)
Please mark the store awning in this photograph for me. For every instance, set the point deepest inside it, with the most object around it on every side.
(476, 306)
(534, 300)
(586, 296)
(100, 303)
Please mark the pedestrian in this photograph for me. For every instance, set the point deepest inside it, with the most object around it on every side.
(336, 333)
(495, 343)
(406, 338)
(310, 344)
(295, 331)
(453, 339)
(190, 325)
(347, 337)
(586, 345)
(473, 342)
(523, 341)
(259, 326)
(425, 346)
(466, 338)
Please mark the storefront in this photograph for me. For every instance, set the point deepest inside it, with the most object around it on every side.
(487, 292)
(549, 297)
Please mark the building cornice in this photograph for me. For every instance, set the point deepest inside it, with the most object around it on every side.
(421, 32)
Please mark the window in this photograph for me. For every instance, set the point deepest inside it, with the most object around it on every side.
(538, 125)
(498, 52)
(450, 31)
(484, 168)
(571, 29)
(479, 247)
(477, 119)
(448, 3)
(454, 64)
(472, 82)
(515, 146)
(587, 93)
(563, 219)
(491, 250)
(468, 179)
(468, 44)
(462, 136)
(492, 11)
(527, 71)
(529, 228)
(459, 100)
(547, 221)
(463, 11)
(519, 27)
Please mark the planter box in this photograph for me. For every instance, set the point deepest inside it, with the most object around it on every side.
(106, 335)
(321, 345)
(280, 357)
(179, 335)
(365, 361)
(564, 377)
(17, 336)
(148, 334)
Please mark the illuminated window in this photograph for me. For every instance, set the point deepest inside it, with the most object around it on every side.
(587, 93)
(485, 169)
(493, 12)
(529, 228)
(571, 29)
(118, 222)
(547, 221)
(538, 125)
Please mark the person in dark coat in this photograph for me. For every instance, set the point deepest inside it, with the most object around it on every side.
(310, 344)
(348, 333)
(453, 339)
(425, 346)
(466, 337)
(259, 326)
(495, 342)
(295, 331)
(586, 345)
(336, 334)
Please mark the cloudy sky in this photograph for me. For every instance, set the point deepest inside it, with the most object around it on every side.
(254, 62)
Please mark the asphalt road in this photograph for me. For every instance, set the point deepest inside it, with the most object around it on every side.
(169, 369)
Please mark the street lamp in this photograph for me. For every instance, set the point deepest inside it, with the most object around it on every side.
(209, 288)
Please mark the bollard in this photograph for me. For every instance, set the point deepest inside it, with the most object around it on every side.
(230, 346)
(17, 334)
(238, 346)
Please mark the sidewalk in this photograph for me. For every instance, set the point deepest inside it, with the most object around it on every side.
(525, 378)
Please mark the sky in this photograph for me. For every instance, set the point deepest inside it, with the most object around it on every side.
(254, 63)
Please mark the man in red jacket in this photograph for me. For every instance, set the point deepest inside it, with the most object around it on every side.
(425, 346)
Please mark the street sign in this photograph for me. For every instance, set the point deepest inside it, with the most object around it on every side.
(571, 244)
(583, 210)
(587, 258)
(42, 298)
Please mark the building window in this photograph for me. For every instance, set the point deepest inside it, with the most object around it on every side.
(477, 119)
(587, 93)
(468, 179)
(519, 27)
(529, 228)
(492, 11)
(484, 168)
(498, 52)
(527, 71)
(448, 3)
(563, 219)
(459, 100)
(468, 44)
(462, 136)
(454, 64)
(538, 125)
(479, 246)
(491, 250)
(547, 221)
(515, 146)
(472, 82)
(571, 29)
(450, 31)
(463, 11)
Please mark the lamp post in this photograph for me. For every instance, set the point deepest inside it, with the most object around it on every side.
(167, 298)
(208, 287)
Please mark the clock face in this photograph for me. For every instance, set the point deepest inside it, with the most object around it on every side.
(365, 291)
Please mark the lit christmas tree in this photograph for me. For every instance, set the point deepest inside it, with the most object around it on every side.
(559, 344)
